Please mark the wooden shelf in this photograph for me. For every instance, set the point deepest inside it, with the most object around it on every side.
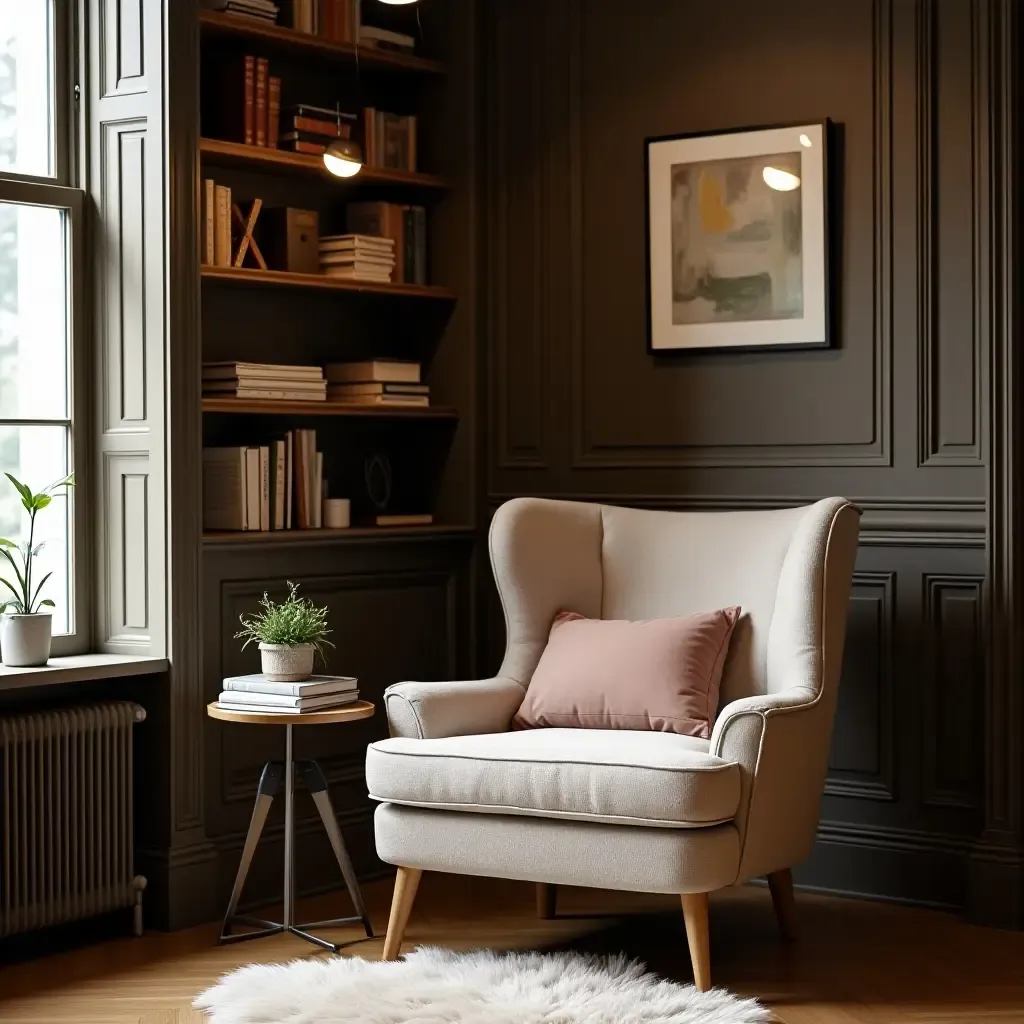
(358, 534)
(268, 407)
(238, 154)
(321, 282)
(214, 23)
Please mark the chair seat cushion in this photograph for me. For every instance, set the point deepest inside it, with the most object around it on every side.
(620, 776)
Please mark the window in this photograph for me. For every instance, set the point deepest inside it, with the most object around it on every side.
(41, 421)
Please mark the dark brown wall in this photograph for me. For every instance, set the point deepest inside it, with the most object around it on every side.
(894, 416)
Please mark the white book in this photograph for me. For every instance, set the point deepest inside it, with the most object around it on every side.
(385, 371)
(224, 505)
(256, 703)
(280, 371)
(286, 700)
(313, 687)
(252, 488)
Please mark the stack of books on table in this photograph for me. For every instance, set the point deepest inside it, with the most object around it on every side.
(357, 257)
(256, 693)
(264, 381)
(311, 129)
(391, 382)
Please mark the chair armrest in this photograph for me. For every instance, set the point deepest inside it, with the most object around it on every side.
(433, 710)
(781, 743)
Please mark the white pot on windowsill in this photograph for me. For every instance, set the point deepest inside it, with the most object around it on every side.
(25, 639)
(287, 663)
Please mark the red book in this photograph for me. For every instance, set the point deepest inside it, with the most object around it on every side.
(262, 76)
(273, 111)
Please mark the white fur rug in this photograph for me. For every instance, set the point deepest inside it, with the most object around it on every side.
(436, 986)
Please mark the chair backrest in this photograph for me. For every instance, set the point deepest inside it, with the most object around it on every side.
(609, 562)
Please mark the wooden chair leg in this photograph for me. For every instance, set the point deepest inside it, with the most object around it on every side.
(781, 885)
(695, 914)
(406, 883)
(547, 895)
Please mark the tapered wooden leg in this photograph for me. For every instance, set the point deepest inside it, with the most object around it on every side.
(781, 885)
(406, 883)
(695, 914)
(547, 894)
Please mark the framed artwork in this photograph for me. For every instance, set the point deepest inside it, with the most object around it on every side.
(737, 239)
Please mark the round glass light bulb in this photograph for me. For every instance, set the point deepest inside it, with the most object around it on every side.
(780, 180)
(805, 141)
(343, 158)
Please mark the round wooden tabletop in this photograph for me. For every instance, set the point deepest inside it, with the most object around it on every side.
(347, 713)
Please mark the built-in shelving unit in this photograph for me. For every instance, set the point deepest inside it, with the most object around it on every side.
(255, 407)
(356, 534)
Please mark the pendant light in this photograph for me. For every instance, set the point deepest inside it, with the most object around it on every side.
(343, 157)
(398, 3)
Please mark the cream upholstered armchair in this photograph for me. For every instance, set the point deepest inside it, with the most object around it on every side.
(643, 811)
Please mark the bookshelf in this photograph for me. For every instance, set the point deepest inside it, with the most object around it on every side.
(275, 315)
(252, 407)
(320, 282)
(278, 37)
(221, 153)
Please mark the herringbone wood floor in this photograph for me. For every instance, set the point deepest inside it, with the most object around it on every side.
(854, 963)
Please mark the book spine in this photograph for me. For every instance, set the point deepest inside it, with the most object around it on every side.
(420, 217)
(209, 222)
(289, 477)
(300, 479)
(265, 488)
(410, 127)
(318, 483)
(262, 76)
(252, 487)
(222, 230)
(409, 250)
(273, 111)
(397, 232)
(279, 479)
(249, 112)
(243, 501)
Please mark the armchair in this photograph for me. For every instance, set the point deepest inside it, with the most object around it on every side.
(620, 809)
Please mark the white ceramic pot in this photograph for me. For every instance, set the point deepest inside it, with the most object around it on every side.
(25, 639)
(287, 663)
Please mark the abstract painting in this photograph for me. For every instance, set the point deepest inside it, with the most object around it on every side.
(737, 248)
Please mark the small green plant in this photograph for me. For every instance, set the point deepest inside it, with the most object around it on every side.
(294, 621)
(26, 600)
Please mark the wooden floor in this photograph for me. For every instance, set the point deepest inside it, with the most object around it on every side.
(854, 963)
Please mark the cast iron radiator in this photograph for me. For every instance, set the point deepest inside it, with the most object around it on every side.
(66, 816)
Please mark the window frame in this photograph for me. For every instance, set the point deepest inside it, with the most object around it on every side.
(61, 190)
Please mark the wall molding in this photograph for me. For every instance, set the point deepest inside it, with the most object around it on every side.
(586, 454)
(881, 783)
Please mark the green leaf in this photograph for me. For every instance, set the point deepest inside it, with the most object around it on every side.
(17, 572)
(39, 547)
(40, 501)
(46, 603)
(5, 543)
(26, 494)
(42, 583)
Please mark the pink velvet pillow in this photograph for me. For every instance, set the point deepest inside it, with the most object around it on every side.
(662, 674)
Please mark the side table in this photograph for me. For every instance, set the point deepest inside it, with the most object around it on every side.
(277, 775)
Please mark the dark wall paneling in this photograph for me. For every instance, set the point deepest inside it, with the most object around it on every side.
(398, 610)
(894, 416)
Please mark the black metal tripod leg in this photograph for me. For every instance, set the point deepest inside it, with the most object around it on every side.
(315, 782)
(270, 785)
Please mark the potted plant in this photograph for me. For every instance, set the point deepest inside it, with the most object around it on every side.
(289, 634)
(25, 629)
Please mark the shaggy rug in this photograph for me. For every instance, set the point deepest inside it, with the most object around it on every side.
(436, 986)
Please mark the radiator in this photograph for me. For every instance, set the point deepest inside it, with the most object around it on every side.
(66, 827)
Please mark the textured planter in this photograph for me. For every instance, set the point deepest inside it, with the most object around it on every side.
(25, 639)
(287, 663)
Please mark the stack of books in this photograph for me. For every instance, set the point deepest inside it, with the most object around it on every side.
(260, 10)
(310, 129)
(406, 226)
(248, 100)
(256, 693)
(389, 140)
(264, 381)
(357, 257)
(265, 487)
(391, 382)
